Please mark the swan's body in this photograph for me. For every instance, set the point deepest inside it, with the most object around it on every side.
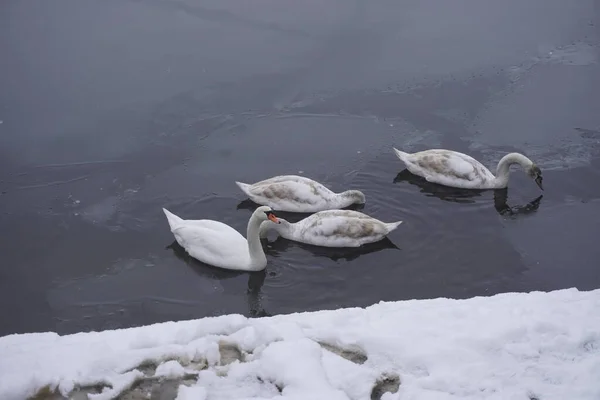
(220, 245)
(298, 194)
(451, 168)
(332, 228)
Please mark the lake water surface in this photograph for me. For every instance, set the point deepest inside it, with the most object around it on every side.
(114, 109)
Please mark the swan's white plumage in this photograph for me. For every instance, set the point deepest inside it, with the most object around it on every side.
(218, 244)
(448, 168)
(451, 168)
(298, 194)
(333, 228)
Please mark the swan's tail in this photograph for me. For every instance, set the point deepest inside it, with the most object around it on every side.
(401, 155)
(392, 225)
(244, 186)
(174, 220)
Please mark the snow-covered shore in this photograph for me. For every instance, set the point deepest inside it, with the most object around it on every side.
(537, 345)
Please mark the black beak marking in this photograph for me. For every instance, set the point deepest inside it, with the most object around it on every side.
(538, 180)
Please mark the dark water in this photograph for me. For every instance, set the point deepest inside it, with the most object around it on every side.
(112, 109)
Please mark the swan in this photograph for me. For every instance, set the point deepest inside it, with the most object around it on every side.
(332, 228)
(451, 168)
(217, 244)
(298, 194)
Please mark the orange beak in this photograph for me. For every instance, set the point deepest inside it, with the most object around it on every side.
(273, 218)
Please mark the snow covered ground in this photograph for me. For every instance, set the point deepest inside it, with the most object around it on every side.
(543, 346)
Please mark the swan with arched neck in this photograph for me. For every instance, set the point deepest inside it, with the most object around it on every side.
(451, 168)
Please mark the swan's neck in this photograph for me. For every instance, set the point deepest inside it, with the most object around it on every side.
(503, 169)
(258, 260)
(284, 228)
(349, 197)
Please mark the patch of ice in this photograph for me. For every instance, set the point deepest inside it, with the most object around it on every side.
(554, 131)
(578, 53)
(414, 140)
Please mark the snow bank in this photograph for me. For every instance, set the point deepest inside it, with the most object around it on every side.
(542, 346)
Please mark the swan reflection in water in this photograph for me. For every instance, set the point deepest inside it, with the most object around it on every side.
(255, 279)
(501, 205)
(458, 195)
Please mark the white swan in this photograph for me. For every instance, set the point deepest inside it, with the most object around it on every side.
(298, 194)
(220, 245)
(332, 228)
(451, 168)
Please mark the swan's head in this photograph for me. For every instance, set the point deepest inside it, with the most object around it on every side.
(281, 227)
(536, 174)
(356, 196)
(265, 213)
